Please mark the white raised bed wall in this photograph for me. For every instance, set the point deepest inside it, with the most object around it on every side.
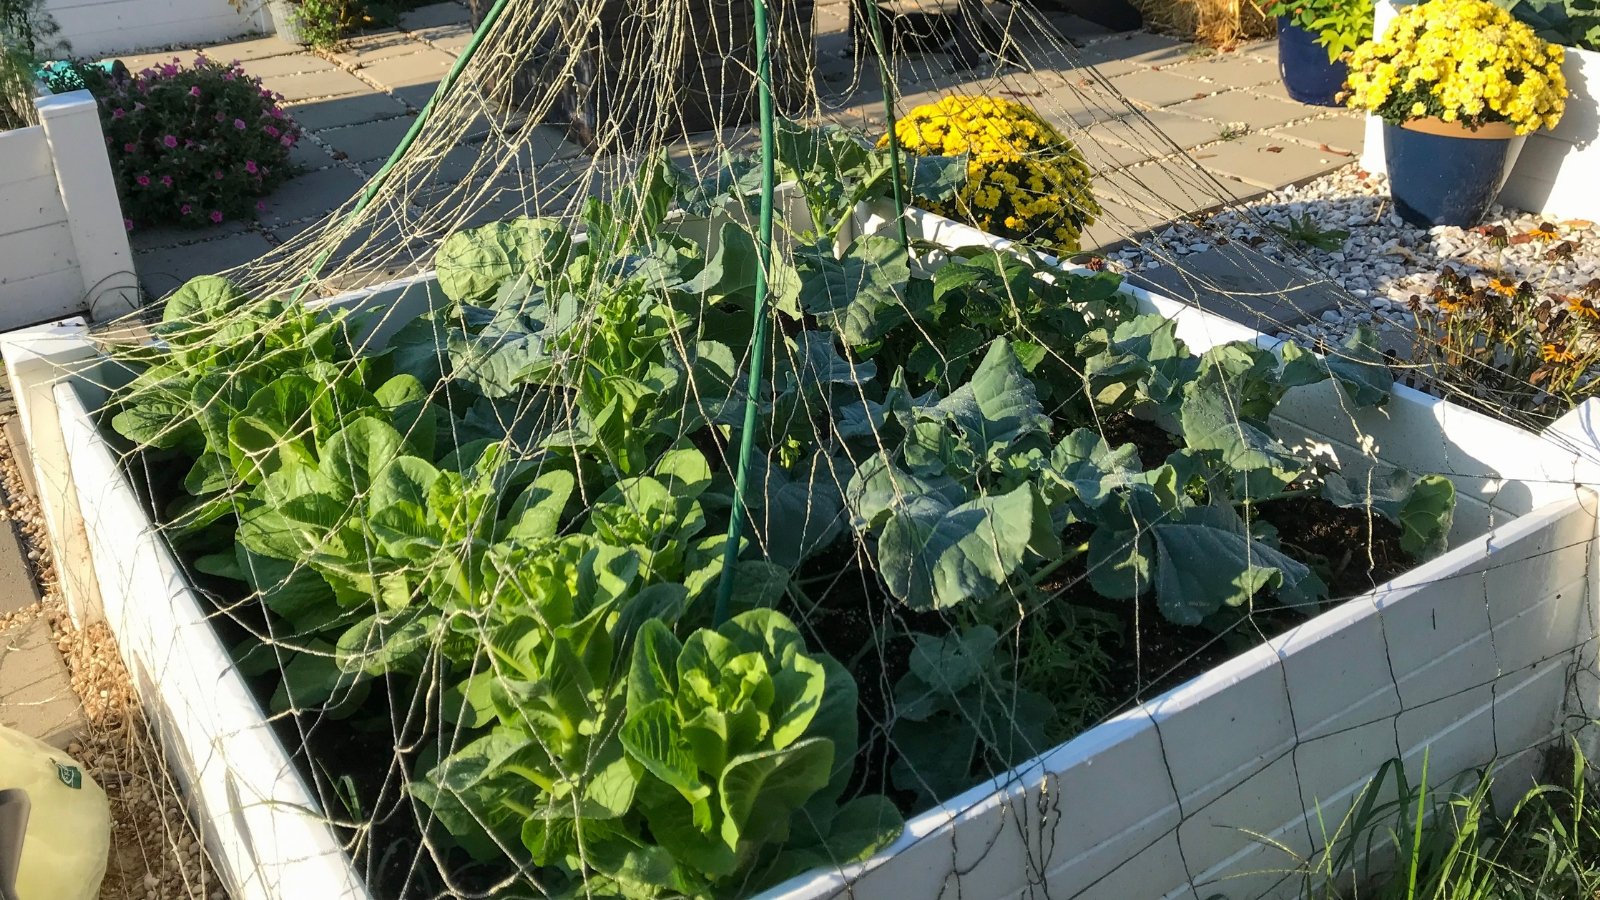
(1468, 657)
(96, 28)
(63, 247)
(1555, 173)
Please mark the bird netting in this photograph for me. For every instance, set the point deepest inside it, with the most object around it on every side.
(756, 469)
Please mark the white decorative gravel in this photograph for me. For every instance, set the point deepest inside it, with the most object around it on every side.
(1384, 261)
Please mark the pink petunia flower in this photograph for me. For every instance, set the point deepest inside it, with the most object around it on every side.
(143, 180)
(166, 181)
(217, 174)
(128, 148)
(250, 166)
(118, 113)
(127, 224)
(261, 206)
(194, 91)
(286, 140)
(216, 216)
(185, 209)
(170, 141)
(271, 132)
(238, 124)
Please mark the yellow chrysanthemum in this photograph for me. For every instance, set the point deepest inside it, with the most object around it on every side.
(1464, 61)
(1025, 179)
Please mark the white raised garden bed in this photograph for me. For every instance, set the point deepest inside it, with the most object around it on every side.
(1555, 172)
(63, 247)
(1469, 657)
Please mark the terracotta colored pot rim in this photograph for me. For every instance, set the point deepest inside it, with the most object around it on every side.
(1493, 131)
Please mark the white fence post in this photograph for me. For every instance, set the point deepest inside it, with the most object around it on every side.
(72, 126)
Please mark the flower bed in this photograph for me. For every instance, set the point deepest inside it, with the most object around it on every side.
(1326, 409)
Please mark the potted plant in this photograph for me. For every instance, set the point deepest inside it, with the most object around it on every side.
(1313, 38)
(1458, 84)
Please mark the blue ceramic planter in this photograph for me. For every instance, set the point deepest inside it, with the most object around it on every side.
(1307, 74)
(1439, 179)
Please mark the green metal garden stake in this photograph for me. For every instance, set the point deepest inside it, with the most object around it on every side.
(758, 343)
(887, 83)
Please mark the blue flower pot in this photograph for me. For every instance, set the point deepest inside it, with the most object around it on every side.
(1307, 74)
(1441, 174)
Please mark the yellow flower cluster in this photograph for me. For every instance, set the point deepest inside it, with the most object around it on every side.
(1464, 61)
(1025, 180)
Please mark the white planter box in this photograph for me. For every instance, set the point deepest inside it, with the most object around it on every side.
(98, 28)
(63, 247)
(1555, 173)
(1470, 656)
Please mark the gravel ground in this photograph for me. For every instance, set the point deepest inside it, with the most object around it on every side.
(155, 850)
(1383, 262)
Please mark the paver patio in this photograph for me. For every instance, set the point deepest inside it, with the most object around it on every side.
(1241, 134)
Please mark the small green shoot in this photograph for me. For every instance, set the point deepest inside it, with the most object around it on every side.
(1303, 230)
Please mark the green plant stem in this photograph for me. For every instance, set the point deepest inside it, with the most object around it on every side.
(1065, 557)
(382, 175)
(758, 342)
(886, 82)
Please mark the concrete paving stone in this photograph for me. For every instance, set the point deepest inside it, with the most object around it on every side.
(1227, 70)
(434, 15)
(17, 587)
(1138, 47)
(1172, 188)
(1266, 48)
(1152, 89)
(1074, 101)
(1345, 132)
(1104, 154)
(310, 195)
(1240, 106)
(365, 48)
(288, 64)
(314, 85)
(163, 271)
(348, 110)
(36, 696)
(158, 237)
(308, 156)
(1274, 89)
(1158, 130)
(256, 48)
(1116, 225)
(369, 140)
(416, 95)
(426, 66)
(1267, 160)
(1237, 281)
(452, 39)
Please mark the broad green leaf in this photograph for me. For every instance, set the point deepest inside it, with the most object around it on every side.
(537, 512)
(1088, 466)
(1423, 507)
(857, 295)
(358, 453)
(1205, 561)
(759, 791)
(653, 737)
(933, 555)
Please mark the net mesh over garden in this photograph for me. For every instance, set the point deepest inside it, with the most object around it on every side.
(634, 556)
